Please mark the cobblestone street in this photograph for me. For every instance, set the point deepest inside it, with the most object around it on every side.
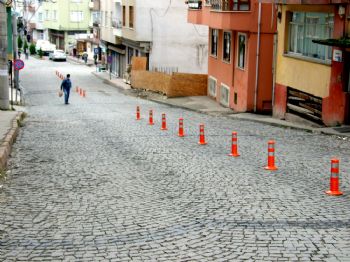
(87, 182)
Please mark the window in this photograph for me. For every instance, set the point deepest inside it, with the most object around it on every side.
(212, 86)
(40, 17)
(47, 15)
(124, 15)
(241, 50)
(130, 54)
(110, 19)
(241, 5)
(106, 20)
(305, 27)
(226, 56)
(76, 16)
(131, 16)
(224, 95)
(55, 15)
(214, 42)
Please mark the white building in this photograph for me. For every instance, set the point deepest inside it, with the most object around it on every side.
(160, 28)
(156, 29)
(34, 17)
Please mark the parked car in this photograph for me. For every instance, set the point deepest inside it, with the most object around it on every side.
(58, 55)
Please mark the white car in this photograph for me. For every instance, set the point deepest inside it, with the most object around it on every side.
(58, 55)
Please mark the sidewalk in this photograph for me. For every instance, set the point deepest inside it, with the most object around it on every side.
(204, 104)
(9, 127)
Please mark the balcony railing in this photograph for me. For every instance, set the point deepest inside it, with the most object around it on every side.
(194, 4)
(230, 5)
(220, 5)
(117, 23)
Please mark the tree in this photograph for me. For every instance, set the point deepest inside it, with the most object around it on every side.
(19, 42)
(32, 49)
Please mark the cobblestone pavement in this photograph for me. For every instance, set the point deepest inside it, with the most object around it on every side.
(89, 183)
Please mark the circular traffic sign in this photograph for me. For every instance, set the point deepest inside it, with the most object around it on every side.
(19, 64)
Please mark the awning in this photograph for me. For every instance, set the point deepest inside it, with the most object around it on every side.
(341, 42)
(116, 49)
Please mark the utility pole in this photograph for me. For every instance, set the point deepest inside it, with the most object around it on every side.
(15, 51)
(4, 86)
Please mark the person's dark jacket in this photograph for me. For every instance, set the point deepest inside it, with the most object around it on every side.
(66, 84)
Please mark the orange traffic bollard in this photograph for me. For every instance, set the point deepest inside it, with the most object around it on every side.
(138, 117)
(181, 127)
(84, 93)
(201, 135)
(271, 156)
(234, 146)
(164, 122)
(76, 89)
(151, 118)
(334, 181)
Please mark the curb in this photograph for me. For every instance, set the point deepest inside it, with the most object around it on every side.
(108, 82)
(9, 139)
(231, 115)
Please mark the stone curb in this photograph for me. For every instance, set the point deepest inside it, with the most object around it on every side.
(230, 115)
(8, 140)
(107, 81)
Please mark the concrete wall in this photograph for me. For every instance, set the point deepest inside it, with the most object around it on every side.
(175, 43)
(175, 85)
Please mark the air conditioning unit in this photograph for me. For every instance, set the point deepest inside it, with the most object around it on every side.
(224, 95)
(212, 86)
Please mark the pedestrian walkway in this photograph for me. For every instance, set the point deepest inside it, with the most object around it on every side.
(8, 132)
(205, 104)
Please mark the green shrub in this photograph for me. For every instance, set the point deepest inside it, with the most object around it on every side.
(40, 53)
(32, 49)
(19, 42)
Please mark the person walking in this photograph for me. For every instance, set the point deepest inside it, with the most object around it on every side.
(65, 87)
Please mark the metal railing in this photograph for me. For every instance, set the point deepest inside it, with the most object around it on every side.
(230, 5)
(194, 4)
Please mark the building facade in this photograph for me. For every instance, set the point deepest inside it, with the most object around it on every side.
(33, 19)
(154, 29)
(111, 37)
(312, 69)
(240, 59)
(64, 19)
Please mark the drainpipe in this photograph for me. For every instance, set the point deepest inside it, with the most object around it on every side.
(274, 62)
(257, 60)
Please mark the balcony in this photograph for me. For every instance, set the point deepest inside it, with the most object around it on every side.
(223, 14)
(116, 23)
(31, 9)
(96, 5)
(230, 5)
(194, 4)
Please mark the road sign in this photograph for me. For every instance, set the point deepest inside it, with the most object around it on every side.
(19, 64)
(96, 51)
